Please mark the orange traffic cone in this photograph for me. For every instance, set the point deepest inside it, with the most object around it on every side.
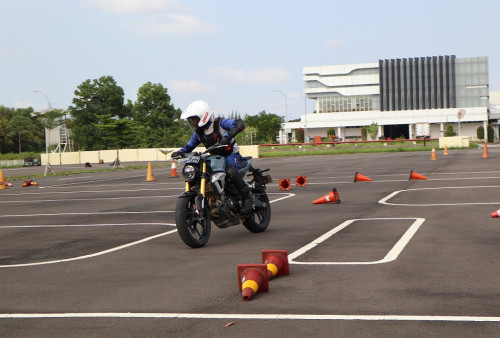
(149, 176)
(485, 150)
(445, 153)
(331, 197)
(494, 214)
(359, 177)
(276, 262)
(433, 155)
(416, 176)
(2, 181)
(252, 278)
(285, 184)
(300, 181)
(173, 171)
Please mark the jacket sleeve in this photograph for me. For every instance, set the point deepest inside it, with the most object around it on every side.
(233, 127)
(192, 143)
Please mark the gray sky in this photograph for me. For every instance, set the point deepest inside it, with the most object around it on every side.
(231, 53)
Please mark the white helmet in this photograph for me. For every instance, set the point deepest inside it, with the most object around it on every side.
(198, 113)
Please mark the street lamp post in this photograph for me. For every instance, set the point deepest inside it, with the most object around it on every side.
(286, 103)
(47, 165)
(286, 112)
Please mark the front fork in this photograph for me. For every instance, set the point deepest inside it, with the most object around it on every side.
(200, 199)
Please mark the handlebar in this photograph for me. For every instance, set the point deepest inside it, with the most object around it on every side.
(208, 150)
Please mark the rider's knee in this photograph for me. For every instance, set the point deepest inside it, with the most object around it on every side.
(231, 171)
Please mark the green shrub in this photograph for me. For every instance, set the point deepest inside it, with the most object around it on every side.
(448, 130)
(364, 133)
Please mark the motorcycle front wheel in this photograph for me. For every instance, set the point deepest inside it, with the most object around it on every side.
(259, 218)
(193, 229)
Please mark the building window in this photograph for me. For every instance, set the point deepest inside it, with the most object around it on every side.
(339, 104)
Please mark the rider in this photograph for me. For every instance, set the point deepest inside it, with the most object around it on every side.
(211, 131)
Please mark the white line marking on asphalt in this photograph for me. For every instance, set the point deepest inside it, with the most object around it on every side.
(63, 186)
(90, 213)
(391, 195)
(113, 249)
(94, 254)
(94, 191)
(258, 316)
(389, 257)
(92, 199)
(288, 195)
(76, 225)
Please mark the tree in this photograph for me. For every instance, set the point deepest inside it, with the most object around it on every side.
(96, 102)
(156, 119)
(448, 130)
(267, 125)
(373, 130)
(299, 135)
(19, 126)
(364, 133)
(330, 133)
(247, 136)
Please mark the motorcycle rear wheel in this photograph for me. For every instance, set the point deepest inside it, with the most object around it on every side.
(259, 218)
(193, 231)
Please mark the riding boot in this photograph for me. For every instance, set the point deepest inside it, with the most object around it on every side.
(248, 202)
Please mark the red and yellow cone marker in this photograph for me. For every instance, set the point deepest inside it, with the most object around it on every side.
(173, 170)
(331, 197)
(416, 176)
(2, 181)
(300, 181)
(276, 262)
(252, 278)
(358, 177)
(285, 184)
(433, 154)
(149, 175)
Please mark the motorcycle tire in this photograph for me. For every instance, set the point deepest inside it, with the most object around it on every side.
(193, 231)
(258, 220)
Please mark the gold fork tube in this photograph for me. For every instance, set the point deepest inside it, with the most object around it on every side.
(203, 179)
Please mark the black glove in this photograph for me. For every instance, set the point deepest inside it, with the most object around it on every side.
(224, 141)
(176, 154)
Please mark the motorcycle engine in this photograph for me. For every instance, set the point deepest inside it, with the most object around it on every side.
(232, 204)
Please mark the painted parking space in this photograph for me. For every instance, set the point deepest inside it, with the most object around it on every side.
(385, 273)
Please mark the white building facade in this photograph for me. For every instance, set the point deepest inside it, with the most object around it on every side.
(405, 98)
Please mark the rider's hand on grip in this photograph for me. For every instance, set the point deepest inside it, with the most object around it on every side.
(176, 155)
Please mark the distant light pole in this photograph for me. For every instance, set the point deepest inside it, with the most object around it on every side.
(286, 103)
(47, 165)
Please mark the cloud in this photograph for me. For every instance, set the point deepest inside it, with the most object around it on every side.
(171, 23)
(267, 75)
(133, 6)
(190, 86)
(331, 43)
(154, 17)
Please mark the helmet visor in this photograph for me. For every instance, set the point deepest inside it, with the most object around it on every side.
(193, 122)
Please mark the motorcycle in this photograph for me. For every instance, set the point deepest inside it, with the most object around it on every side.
(217, 202)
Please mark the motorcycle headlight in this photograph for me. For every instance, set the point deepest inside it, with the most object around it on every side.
(189, 172)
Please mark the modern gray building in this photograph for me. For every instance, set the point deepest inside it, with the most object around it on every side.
(406, 98)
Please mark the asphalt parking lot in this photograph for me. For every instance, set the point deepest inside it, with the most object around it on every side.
(97, 254)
